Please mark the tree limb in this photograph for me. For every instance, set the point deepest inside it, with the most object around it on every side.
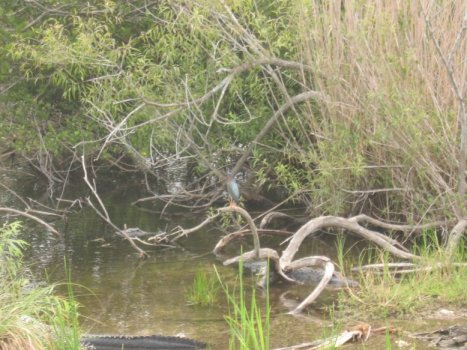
(32, 217)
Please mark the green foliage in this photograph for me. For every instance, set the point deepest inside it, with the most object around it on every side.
(99, 61)
(249, 325)
(65, 325)
(11, 253)
(111, 79)
(437, 282)
(31, 317)
(204, 290)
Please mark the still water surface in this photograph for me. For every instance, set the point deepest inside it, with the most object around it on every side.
(122, 294)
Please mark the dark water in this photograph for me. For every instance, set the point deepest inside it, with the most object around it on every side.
(120, 293)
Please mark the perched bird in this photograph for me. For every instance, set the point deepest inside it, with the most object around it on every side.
(233, 190)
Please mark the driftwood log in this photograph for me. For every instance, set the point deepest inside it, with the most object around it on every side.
(285, 263)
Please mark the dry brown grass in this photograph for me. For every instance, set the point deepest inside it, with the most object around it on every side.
(391, 118)
(22, 339)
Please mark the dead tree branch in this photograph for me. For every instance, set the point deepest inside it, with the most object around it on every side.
(179, 231)
(250, 222)
(351, 225)
(264, 254)
(328, 272)
(102, 211)
(32, 217)
(222, 243)
(272, 121)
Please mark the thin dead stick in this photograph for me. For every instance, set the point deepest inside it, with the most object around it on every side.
(102, 212)
(181, 232)
(228, 79)
(408, 267)
(305, 96)
(381, 266)
(397, 227)
(32, 217)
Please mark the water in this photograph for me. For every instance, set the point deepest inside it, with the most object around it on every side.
(120, 293)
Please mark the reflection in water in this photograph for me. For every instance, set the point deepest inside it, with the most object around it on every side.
(122, 294)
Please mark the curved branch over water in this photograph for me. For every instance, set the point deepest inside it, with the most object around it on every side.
(32, 217)
(250, 222)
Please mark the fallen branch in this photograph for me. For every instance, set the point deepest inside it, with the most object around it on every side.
(179, 231)
(359, 332)
(102, 212)
(328, 271)
(32, 217)
(351, 225)
(266, 220)
(264, 254)
(407, 267)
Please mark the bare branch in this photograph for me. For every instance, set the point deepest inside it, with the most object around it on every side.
(328, 271)
(270, 123)
(179, 231)
(455, 236)
(250, 222)
(264, 254)
(333, 221)
(32, 217)
(102, 211)
(222, 243)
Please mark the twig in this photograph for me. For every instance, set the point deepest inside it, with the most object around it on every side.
(179, 231)
(222, 243)
(102, 212)
(305, 96)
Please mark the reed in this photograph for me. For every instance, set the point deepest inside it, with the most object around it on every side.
(204, 291)
(249, 323)
(390, 121)
(437, 282)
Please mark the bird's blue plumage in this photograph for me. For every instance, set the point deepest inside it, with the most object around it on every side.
(233, 189)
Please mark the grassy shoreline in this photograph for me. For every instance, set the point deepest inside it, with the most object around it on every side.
(32, 317)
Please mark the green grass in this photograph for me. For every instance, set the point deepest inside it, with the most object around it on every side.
(65, 325)
(249, 323)
(31, 317)
(204, 291)
(383, 294)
